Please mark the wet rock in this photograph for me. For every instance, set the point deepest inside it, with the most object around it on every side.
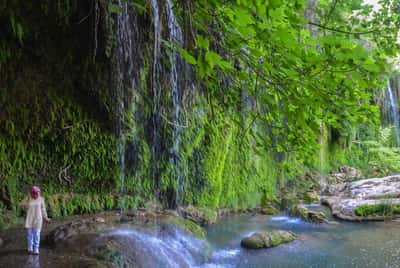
(345, 198)
(311, 197)
(269, 210)
(1, 242)
(201, 216)
(222, 212)
(167, 246)
(266, 239)
(171, 222)
(66, 231)
(345, 174)
(350, 172)
(307, 214)
(288, 200)
(100, 219)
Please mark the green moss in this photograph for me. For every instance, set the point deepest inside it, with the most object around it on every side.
(60, 205)
(275, 240)
(253, 242)
(109, 255)
(378, 210)
(191, 227)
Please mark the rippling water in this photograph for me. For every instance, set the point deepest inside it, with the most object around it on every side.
(341, 244)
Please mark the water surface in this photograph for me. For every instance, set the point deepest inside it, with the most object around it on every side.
(341, 244)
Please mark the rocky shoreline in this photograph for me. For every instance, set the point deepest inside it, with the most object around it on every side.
(99, 240)
(346, 199)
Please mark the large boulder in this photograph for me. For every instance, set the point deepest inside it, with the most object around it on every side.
(266, 239)
(307, 214)
(75, 228)
(366, 197)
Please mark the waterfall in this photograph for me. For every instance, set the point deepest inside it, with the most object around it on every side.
(124, 81)
(175, 35)
(394, 112)
(169, 247)
(155, 147)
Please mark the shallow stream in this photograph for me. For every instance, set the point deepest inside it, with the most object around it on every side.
(340, 244)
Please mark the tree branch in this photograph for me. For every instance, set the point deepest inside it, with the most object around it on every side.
(339, 30)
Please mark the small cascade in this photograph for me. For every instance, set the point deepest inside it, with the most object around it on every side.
(124, 81)
(175, 36)
(143, 248)
(394, 112)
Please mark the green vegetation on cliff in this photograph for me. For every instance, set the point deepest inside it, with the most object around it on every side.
(90, 106)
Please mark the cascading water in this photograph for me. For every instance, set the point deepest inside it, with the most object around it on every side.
(394, 112)
(156, 96)
(175, 35)
(139, 247)
(124, 80)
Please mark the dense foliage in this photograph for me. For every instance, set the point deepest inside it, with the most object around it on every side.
(268, 90)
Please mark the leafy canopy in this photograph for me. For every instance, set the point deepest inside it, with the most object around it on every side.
(302, 64)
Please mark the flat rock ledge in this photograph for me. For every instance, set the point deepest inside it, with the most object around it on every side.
(267, 239)
(345, 198)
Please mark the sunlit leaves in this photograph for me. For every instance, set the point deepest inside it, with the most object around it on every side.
(187, 57)
(299, 76)
(203, 42)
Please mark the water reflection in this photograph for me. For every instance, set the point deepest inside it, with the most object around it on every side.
(344, 244)
(33, 261)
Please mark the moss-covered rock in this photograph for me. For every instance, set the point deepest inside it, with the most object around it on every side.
(308, 215)
(75, 228)
(311, 196)
(269, 210)
(189, 226)
(266, 239)
(201, 216)
(383, 210)
(288, 199)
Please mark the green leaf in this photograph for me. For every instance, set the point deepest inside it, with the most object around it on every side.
(212, 58)
(203, 42)
(187, 57)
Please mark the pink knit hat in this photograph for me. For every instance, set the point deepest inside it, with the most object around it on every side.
(35, 190)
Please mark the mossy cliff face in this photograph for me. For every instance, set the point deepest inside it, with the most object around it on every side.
(74, 104)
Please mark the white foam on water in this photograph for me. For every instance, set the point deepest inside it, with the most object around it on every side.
(215, 265)
(280, 218)
(294, 220)
(226, 253)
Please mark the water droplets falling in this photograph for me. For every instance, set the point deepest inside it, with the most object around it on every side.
(124, 81)
(175, 36)
(394, 112)
(156, 97)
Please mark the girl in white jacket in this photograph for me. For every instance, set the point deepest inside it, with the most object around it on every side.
(35, 213)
